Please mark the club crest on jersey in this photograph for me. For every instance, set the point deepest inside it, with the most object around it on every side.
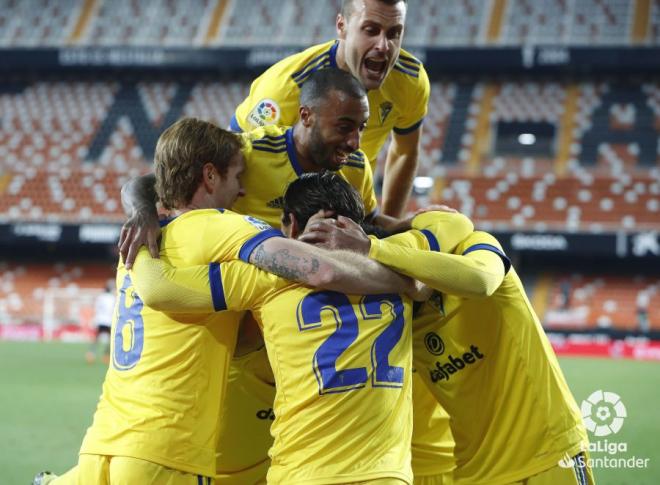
(258, 223)
(266, 112)
(384, 110)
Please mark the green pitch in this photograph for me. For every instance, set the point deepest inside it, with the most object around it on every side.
(49, 395)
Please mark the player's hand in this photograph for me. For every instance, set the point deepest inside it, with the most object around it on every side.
(340, 233)
(141, 229)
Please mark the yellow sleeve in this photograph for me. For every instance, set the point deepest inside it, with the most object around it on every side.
(208, 288)
(477, 271)
(242, 286)
(448, 228)
(167, 289)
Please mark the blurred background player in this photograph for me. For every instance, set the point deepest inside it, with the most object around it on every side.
(104, 309)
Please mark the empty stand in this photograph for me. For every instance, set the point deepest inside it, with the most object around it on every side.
(549, 202)
(148, 23)
(568, 22)
(579, 301)
(298, 22)
(37, 23)
(23, 289)
(66, 148)
(447, 23)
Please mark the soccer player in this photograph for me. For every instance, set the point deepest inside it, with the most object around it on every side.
(370, 33)
(352, 421)
(104, 306)
(481, 349)
(157, 418)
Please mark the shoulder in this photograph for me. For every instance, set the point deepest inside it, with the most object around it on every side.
(311, 60)
(270, 138)
(409, 72)
(483, 241)
(297, 67)
(356, 160)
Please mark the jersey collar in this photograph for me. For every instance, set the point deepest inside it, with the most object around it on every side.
(333, 54)
(291, 151)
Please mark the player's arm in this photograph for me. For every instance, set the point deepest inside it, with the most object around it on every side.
(199, 289)
(168, 289)
(402, 155)
(476, 271)
(343, 271)
(444, 230)
(138, 197)
(400, 170)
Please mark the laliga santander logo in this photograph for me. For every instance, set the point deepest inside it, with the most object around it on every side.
(268, 111)
(603, 413)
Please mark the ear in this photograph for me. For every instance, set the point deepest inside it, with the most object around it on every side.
(209, 173)
(340, 24)
(306, 116)
(295, 227)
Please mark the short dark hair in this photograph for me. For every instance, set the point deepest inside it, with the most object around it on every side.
(323, 81)
(325, 190)
(347, 5)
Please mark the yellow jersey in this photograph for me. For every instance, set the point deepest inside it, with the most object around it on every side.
(271, 164)
(432, 441)
(400, 103)
(244, 437)
(489, 364)
(166, 380)
(342, 365)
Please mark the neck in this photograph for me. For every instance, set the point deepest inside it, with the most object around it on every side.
(340, 56)
(200, 200)
(301, 148)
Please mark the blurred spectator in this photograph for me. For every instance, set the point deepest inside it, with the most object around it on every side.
(104, 308)
(643, 300)
(565, 291)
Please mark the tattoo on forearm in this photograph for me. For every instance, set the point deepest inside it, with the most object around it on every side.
(284, 264)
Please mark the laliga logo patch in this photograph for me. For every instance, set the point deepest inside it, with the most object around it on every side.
(434, 343)
(603, 413)
(266, 112)
(258, 223)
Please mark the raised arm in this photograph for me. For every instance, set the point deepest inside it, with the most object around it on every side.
(477, 271)
(138, 197)
(400, 170)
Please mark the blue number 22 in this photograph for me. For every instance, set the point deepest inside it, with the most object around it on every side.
(129, 329)
(332, 380)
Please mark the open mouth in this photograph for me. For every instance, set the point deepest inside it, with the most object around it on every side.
(374, 67)
(341, 157)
